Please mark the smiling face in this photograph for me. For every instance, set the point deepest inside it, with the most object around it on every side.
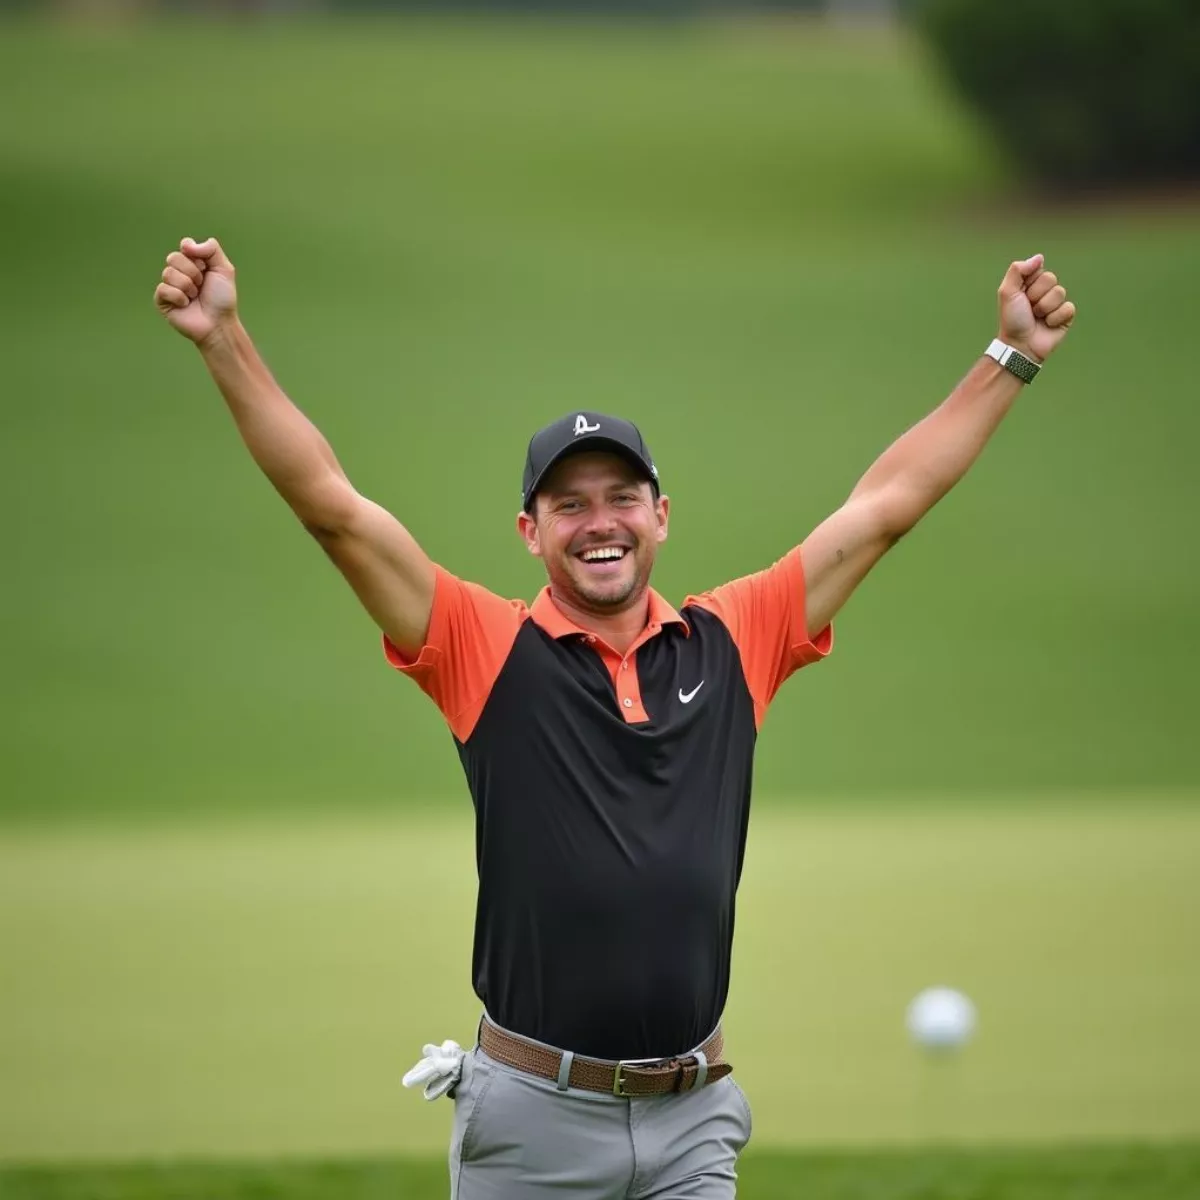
(597, 526)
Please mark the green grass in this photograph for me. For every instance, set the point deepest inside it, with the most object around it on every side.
(257, 988)
(1085, 1173)
(1110, 1173)
(775, 249)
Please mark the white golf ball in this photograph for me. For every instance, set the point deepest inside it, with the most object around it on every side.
(941, 1018)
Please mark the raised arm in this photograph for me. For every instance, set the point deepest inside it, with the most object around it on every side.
(918, 469)
(380, 559)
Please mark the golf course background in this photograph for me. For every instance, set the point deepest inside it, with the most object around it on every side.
(236, 876)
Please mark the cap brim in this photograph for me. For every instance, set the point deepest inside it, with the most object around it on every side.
(592, 442)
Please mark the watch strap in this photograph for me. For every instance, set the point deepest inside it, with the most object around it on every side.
(1011, 359)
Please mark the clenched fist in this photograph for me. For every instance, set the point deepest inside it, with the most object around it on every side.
(197, 293)
(1035, 313)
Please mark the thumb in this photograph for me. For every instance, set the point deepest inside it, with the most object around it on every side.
(1019, 276)
(210, 251)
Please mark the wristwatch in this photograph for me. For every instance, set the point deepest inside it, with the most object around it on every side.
(1011, 359)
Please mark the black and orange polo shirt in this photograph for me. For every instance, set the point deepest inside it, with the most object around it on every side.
(612, 794)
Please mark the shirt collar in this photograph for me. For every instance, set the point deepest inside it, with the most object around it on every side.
(557, 624)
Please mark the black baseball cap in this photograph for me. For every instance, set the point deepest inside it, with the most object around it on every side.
(576, 433)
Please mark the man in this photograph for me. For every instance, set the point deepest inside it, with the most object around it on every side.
(607, 740)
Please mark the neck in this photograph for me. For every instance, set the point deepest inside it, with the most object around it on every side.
(620, 629)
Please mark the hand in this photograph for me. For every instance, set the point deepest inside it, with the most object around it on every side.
(197, 293)
(1035, 313)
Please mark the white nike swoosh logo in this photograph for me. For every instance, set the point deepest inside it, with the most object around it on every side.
(687, 697)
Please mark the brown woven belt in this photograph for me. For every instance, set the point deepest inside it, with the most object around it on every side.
(639, 1078)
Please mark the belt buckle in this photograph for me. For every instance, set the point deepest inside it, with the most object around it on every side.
(619, 1080)
(619, 1073)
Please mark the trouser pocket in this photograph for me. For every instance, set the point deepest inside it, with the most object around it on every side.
(469, 1094)
(744, 1105)
(517, 1135)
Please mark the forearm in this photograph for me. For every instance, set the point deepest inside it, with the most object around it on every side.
(286, 445)
(921, 466)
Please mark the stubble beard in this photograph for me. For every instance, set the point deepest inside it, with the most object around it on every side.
(609, 598)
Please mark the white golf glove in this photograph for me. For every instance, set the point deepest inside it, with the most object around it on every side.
(439, 1070)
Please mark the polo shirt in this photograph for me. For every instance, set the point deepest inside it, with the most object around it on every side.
(611, 795)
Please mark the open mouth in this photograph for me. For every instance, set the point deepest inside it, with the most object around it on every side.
(600, 557)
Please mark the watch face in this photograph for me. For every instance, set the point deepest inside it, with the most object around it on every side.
(1013, 360)
(1021, 367)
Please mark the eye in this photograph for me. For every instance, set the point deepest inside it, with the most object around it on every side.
(625, 498)
(570, 506)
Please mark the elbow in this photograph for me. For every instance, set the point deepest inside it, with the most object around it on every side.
(897, 524)
(899, 510)
(328, 513)
(326, 525)
(322, 528)
(893, 519)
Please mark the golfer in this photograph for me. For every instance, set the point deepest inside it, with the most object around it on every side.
(607, 740)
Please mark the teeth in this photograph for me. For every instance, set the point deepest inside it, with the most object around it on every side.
(604, 552)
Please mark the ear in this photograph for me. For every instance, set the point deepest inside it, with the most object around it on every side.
(662, 510)
(528, 529)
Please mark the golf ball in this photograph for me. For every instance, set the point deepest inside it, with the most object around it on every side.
(941, 1018)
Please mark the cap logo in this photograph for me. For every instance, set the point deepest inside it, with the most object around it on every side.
(582, 426)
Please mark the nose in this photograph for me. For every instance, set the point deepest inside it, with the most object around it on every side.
(600, 520)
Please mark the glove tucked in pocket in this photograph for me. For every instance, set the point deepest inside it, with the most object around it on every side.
(439, 1070)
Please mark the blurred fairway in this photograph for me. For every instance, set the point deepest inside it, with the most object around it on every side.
(258, 989)
(1081, 1173)
(774, 248)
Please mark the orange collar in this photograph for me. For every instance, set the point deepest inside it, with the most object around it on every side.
(558, 625)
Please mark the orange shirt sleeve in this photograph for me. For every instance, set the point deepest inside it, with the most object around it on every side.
(471, 632)
(764, 614)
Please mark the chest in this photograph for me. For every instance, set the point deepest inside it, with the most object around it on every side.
(670, 687)
(676, 713)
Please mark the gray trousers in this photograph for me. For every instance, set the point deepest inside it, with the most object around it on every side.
(516, 1135)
